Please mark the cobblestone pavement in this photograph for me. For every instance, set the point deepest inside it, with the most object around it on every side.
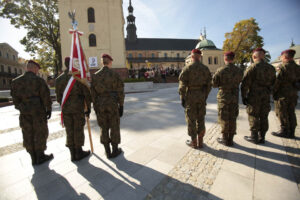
(198, 168)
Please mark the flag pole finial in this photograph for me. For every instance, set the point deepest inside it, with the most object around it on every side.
(74, 22)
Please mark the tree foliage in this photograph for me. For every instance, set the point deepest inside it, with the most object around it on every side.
(243, 40)
(40, 19)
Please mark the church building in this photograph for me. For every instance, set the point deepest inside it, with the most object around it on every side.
(165, 52)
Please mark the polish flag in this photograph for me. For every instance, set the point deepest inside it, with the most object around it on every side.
(78, 67)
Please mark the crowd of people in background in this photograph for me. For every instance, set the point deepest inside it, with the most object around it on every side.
(154, 72)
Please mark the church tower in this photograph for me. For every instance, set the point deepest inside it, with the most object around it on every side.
(131, 28)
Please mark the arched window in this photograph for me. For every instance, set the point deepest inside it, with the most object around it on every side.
(153, 55)
(166, 55)
(140, 55)
(91, 15)
(92, 40)
(130, 55)
(216, 60)
(209, 60)
(178, 55)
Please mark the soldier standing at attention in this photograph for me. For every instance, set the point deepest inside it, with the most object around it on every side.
(285, 94)
(107, 91)
(73, 112)
(228, 79)
(194, 87)
(256, 89)
(31, 96)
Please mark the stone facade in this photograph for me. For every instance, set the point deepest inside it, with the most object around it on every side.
(10, 68)
(102, 23)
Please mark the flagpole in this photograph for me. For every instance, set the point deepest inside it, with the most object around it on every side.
(83, 78)
(89, 129)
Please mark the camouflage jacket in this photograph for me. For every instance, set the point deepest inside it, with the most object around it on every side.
(286, 80)
(228, 79)
(79, 94)
(107, 88)
(258, 80)
(194, 83)
(31, 94)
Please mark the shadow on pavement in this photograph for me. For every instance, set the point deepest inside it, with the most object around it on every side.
(131, 180)
(50, 185)
(281, 170)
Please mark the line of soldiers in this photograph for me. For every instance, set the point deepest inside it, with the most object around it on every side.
(258, 83)
(31, 96)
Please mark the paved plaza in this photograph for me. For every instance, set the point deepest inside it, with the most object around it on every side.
(156, 163)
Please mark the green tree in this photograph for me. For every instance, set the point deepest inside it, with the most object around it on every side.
(40, 19)
(243, 40)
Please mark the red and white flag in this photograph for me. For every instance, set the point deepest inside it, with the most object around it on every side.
(78, 67)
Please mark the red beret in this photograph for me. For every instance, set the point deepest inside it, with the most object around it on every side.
(196, 51)
(36, 64)
(259, 49)
(229, 53)
(67, 59)
(107, 56)
(290, 52)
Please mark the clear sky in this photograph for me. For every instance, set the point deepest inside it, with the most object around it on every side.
(278, 20)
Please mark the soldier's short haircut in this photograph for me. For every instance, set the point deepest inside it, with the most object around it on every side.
(105, 61)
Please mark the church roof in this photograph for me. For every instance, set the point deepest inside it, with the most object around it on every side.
(206, 44)
(297, 55)
(161, 44)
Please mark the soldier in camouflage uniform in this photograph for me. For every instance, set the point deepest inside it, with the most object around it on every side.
(227, 79)
(31, 96)
(256, 89)
(74, 112)
(285, 94)
(107, 91)
(194, 87)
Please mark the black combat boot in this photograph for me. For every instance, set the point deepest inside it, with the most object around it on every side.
(41, 157)
(230, 139)
(80, 154)
(72, 153)
(291, 134)
(116, 151)
(200, 139)
(253, 138)
(107, 151)
(261, 139)
(223, 140)
(33, 158)
(281, 133)
(192, 143)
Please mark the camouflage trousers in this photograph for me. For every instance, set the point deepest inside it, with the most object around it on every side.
(227, 118)
(35, 132)
(285, 111)
(109, 121)
(258, 111)
(195, 118)
(74, 124)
